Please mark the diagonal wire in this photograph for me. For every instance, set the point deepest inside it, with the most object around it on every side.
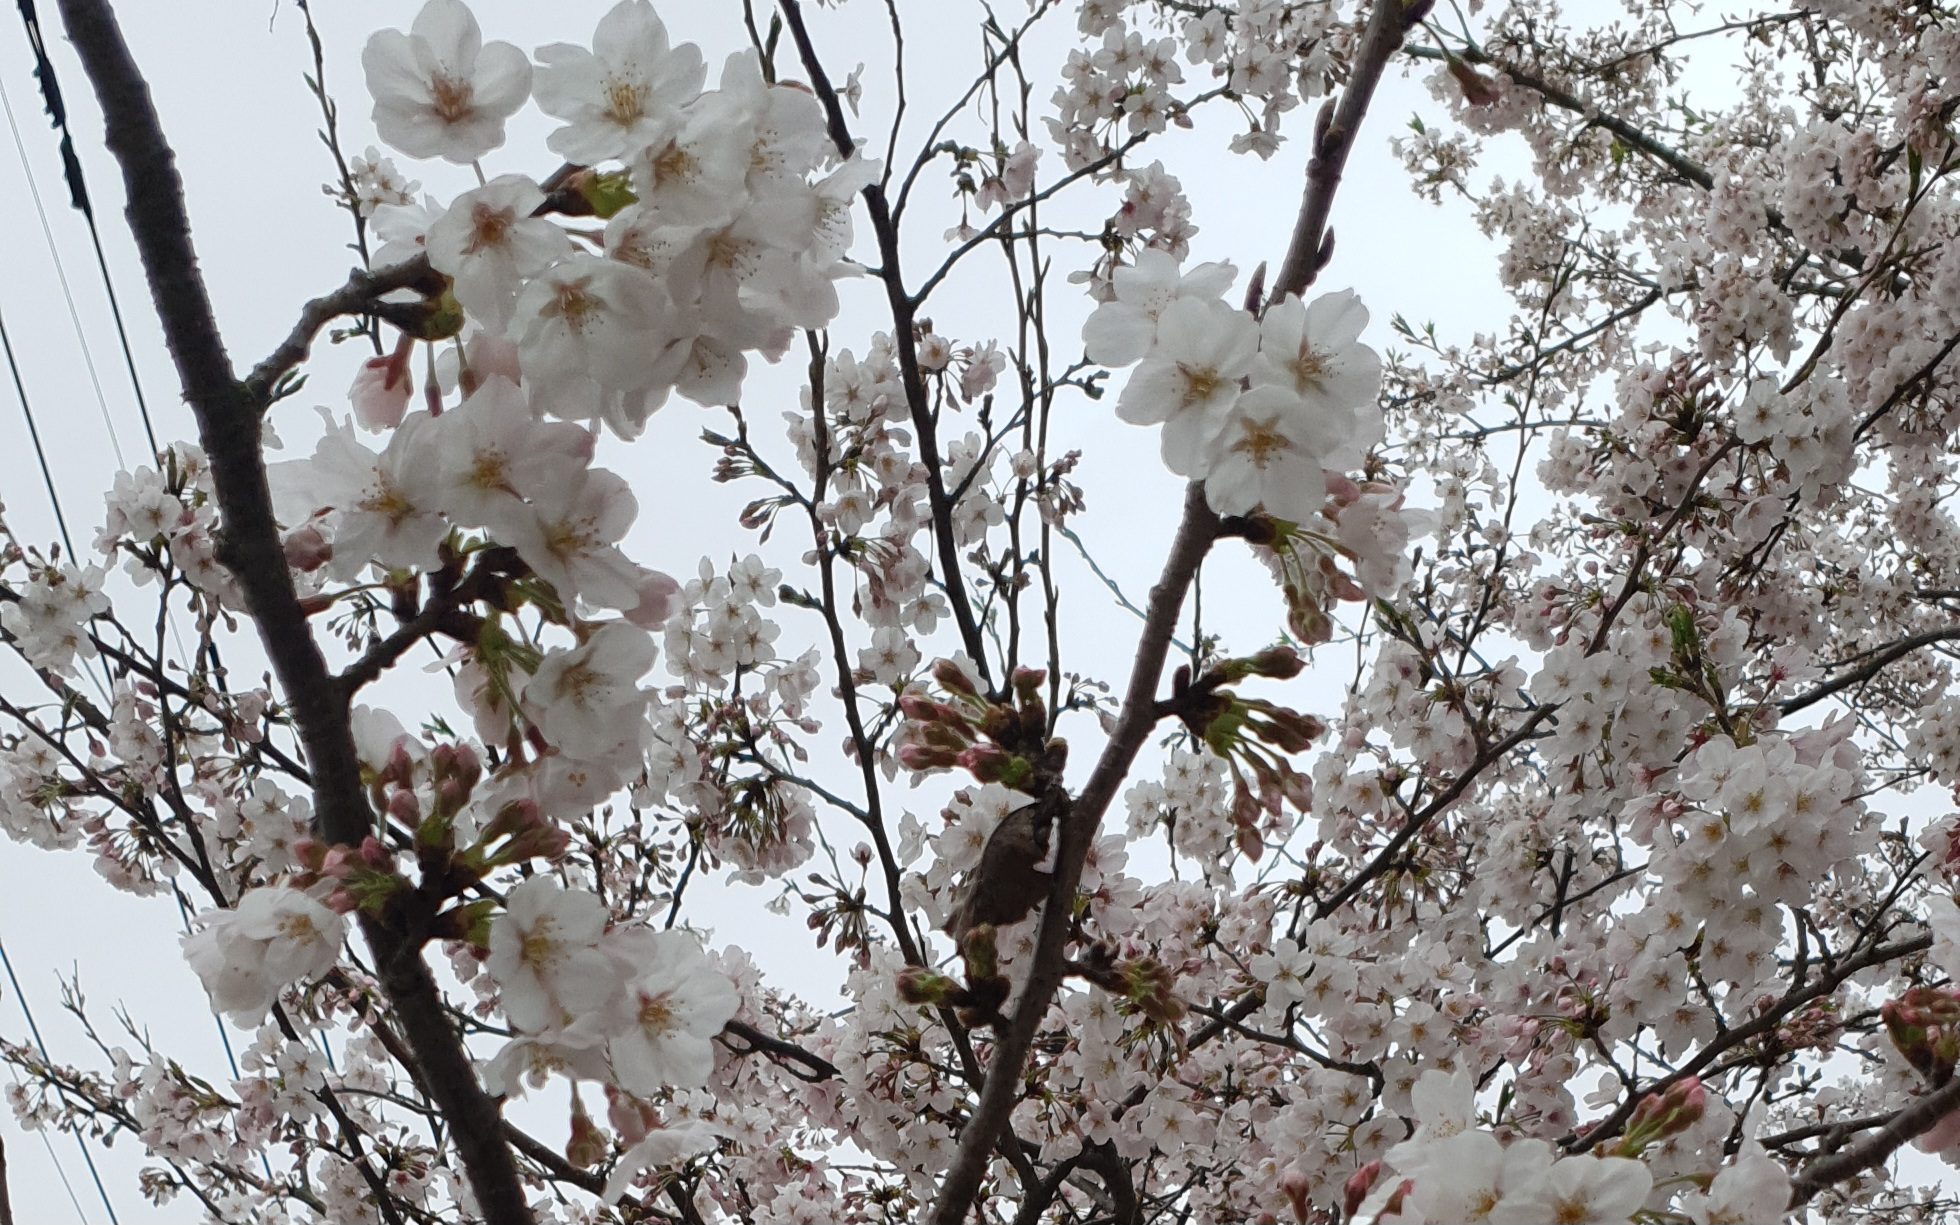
(34, 435)
(60, 1171)
(71, 170)
(61, 276)
(7, 963)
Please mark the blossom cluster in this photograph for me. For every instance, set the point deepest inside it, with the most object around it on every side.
(1257, 408)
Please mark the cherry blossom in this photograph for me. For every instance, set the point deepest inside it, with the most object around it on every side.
(1549, 824)
(583, 699)
(1190, 380)
(440, 90)
(489, 244)
(545, 954)
(275, 937)
(674, 1002)
(623, 94)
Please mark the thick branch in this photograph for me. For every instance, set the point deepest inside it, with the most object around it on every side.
(228, 421)
(960, 1187)
(1906, 1126)
(1388, 23)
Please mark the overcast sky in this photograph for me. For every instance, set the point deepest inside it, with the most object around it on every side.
(226, 77)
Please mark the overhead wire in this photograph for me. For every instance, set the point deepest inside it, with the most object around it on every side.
(61, 276)
(78, 194)
(34, 1029)
(71, 171)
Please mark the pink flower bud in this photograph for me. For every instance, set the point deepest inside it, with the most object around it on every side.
(659, 597)
(925, 757)
(381, 390)
(1353, 1191)
(404, 807)
(307, 549)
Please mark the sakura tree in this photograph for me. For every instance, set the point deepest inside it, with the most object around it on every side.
(1556, 847)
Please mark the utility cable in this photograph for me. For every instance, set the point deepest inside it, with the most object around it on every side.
(7, 963)
(71, 171)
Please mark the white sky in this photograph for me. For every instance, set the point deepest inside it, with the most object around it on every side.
(227, 81)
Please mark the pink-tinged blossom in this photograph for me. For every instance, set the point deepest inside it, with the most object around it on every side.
(1470, 1177)
(598, 339)
(545, 955)
(376, 182)
(381, 506)
(1015, 180)
(1580, 1191)
(1190, 380)
(495, 453)
(1752, 1190)
(1123, 329)
(658, 599)
(586, 700)
(49, 619)
(787, 135)
(622, 95)
(1314, 351)
(569, 535)
(275, 937)
(658, 1149)
(1268, 453)
(440, 90)
(403, 230)
(674, 1003)
(488, 243)
(697, 173)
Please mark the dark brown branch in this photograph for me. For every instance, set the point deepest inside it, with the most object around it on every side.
(552, 1161)
(759, 1043)
(353, 298)
(228, 416)
(961, 1185)
(1877, 662)
(1906, 1126)
(1388, 23)
(6, 1201)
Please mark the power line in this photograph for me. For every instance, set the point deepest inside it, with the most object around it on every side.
(34, 435)
(60, 1171)
(71, 171)
(61, 275)
(35, 1030)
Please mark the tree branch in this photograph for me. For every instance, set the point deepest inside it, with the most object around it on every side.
(1308, 251)
(961, 1185)
(1879, 660)
(229, 427)
(924, 422)
(1906, 1126)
